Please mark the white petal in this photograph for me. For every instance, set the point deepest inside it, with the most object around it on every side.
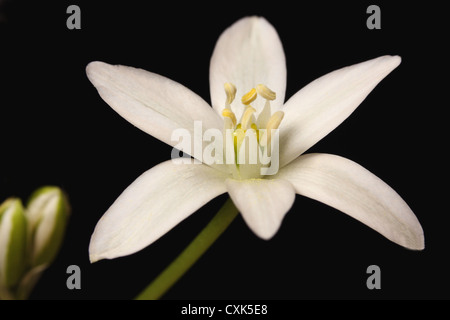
(153, 103)
(321, 106)
(263, 203)
(152, 205)
(248, 53)
(348, 187)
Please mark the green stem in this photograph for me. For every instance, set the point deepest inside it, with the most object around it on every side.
(191, 253)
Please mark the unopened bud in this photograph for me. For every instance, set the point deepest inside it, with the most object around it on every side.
(47, 214)
(13, 239)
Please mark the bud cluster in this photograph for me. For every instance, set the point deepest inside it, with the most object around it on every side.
(30, 238)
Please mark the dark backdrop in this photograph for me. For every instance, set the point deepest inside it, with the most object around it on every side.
(55, 129)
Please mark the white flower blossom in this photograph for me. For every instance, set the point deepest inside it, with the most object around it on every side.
(248, 62)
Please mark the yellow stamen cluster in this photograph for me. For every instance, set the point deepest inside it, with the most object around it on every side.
(248, 116)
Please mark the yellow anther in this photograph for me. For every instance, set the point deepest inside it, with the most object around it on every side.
(275, 120)
(249, 97)
(265, 92)
(229, 114)
(246, 120)
(230, 90)
(272, 124)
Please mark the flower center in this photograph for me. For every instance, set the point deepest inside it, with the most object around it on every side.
(260, 126)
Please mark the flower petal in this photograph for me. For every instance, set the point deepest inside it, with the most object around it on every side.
(153, 103)
(348, 187)
(321, 106)
(263, 203)
(248, 53)
(152, 205)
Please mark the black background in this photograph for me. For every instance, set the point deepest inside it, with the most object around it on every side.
(55, 129)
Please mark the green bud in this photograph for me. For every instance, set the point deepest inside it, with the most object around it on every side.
(13, 240)
(47, 214)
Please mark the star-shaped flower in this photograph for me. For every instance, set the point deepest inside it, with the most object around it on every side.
(248, 62)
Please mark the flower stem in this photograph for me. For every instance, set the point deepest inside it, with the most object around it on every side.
(191, 253)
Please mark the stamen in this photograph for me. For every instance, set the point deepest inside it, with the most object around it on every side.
(275, 120)
(246, 120)
(264, 115)
(255, 127)
(249, 97)
(230, 90)
(272, 124)
(229, 114)
(265, 92)
(238, 137)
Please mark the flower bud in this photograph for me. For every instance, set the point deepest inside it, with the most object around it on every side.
(47, 214)
(13, 240)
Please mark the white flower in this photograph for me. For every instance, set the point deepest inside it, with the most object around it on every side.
(247, 54)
